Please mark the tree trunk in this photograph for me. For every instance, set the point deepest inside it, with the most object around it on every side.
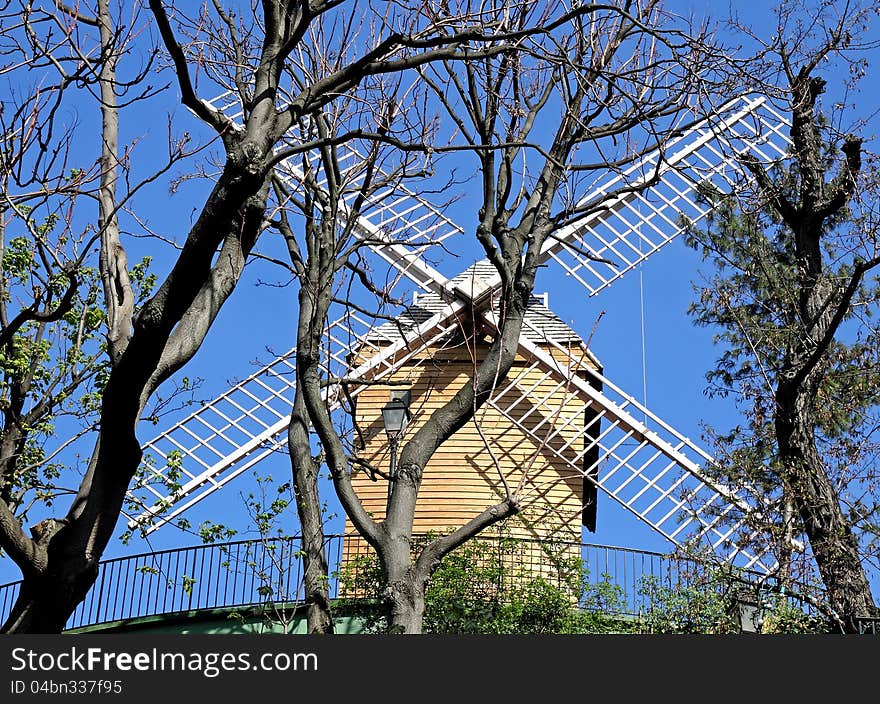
(231, 217)
(304, 468)
(308, 506)
(407, 608)
(404, 590)
(45, 604)
(834, 546)
(49, 596)
(318, 617)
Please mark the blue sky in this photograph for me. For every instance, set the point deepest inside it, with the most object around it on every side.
(261, 318)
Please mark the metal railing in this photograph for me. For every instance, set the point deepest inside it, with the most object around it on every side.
(249, 573)
(868, 625)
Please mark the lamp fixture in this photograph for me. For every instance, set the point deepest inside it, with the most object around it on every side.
(395, 414)
(395, 417)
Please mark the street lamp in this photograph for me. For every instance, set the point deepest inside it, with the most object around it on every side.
(395, 416)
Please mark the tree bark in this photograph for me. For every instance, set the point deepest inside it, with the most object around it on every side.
(118, 294)
(50, 593)
(833, 543)
(53, 587)
(308, 505)
(404, 594)
(45, 604)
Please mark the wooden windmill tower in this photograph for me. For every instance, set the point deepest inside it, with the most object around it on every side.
(555, 407)
(516, 439)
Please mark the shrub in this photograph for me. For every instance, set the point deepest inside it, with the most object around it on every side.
(479, 591)
(686, 608)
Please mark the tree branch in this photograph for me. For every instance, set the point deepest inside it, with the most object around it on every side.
(840, 312)
(844, 185)
(24, 551)
(442, 546)
(216, 119)
(43, 316)
(779, 202)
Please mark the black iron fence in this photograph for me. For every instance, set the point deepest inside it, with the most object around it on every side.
(868, 625)
(255, 572)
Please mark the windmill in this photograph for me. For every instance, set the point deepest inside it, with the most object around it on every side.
(625, 451)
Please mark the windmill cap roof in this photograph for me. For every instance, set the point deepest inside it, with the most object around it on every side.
(540, 324)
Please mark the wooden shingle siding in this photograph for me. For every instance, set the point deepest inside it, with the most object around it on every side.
(462, 478)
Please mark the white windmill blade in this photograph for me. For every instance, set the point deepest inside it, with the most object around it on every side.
(400, 242)
(200, 451)
(400, 224)
(629, 227)
(229, 435)
(631, 217)
(655, 473)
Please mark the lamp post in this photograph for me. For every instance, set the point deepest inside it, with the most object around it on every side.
(395, 416)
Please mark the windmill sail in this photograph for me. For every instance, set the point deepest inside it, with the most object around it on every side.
(656, 473)
(627, 228)
(226, 437)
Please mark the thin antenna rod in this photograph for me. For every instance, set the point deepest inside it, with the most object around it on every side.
(642, 314)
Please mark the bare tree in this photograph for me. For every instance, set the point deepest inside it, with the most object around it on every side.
(255, 56)
(329, 197)
(793, 260)
(55, 258)
(540, 115)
